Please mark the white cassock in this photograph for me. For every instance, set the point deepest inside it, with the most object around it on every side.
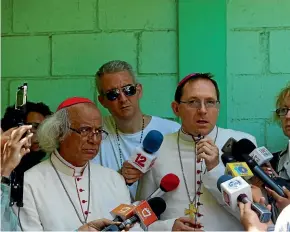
(46, 202)
(215, 216)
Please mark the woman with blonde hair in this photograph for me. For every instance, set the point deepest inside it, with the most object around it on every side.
(281, 160)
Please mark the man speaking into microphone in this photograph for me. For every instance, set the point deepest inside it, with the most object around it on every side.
(193, 154)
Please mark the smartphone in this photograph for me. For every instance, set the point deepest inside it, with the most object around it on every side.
(227, 148)
(20, 104)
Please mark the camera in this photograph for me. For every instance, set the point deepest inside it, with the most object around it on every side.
(17, 178)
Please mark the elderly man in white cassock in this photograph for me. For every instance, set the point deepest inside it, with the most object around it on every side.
(193, 154)
(67, 190)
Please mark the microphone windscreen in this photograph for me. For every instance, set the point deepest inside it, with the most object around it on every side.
(158, 205)
(169, 182)
(223, 179)
(227, 158)
(152, 141)
(242, 147)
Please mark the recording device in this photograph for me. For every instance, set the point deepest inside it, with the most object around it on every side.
(261, 155)
(143, 158)
(263, 213)
(17, 178)
(234, 190)
(227, 148)
(241, 151)
(146, 213)
(168, 183)
(231, 188)
(239, 169)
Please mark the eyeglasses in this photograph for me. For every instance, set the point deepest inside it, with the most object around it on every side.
(196, 104)
(128, 90)
(89, 131)
(282, 111)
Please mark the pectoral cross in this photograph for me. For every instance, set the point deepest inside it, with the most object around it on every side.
(191, 211)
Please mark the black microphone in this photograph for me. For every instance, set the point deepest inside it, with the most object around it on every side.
(228, 158)
(241, 151)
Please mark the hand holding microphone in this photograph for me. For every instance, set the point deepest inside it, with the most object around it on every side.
(98, 225)
(130, 173)
(281, 202)
(145, 213)
(207, 150)
(236, 190)
(250, 219)
(143, 157)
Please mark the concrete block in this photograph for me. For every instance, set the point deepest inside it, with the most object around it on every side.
(6, 16)
(275, 139)
(258, 13)
(243, 53)
(4, 96)
(280, 51)
(254, 96)
(54, 15)
(154, 101)
(141, 14)
(53, 91)
(255, 127)
(25, 56)
(83, 54)
(158, 52)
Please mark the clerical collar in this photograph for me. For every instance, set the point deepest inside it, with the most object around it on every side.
(188, 137)
(65, 167)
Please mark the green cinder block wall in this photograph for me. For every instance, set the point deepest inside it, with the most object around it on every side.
(56, 46)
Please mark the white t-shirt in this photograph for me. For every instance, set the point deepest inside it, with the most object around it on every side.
(283, 221)
(109, 154)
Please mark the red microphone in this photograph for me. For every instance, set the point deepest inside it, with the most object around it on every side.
(168, 183)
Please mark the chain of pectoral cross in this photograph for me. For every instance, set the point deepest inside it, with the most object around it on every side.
(192, 211)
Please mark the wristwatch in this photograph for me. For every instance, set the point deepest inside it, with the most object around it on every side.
(5, 180)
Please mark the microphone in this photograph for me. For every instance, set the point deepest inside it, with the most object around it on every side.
(144, 157)
(231, 188)
(123, 212)
(168, 183)
(227, 158)
(261, 155)
(236, 189)
(241, 151)
(146, 213)
(239, 169)
(234, 168)
(263, 213)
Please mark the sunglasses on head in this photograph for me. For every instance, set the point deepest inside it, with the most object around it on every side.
(128, 90)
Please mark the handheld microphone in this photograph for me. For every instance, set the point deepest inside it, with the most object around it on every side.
(231, 188)
(263, 213)
(227, 158)
(144, 157)
(146, 213)
(261, 155)
(241, 151)
(168, 183)
(123, 212)
(234, 168)
(239, 169)
(234, 190)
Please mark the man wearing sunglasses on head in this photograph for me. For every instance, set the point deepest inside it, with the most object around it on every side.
(120, 93)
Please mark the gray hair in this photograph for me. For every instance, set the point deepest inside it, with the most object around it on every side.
(114, 66)
(52, 130)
